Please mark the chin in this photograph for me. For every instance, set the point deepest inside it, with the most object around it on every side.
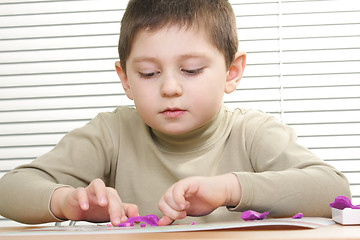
(174, 131)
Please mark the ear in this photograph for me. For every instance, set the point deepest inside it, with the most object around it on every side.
(235, 72)
(124, 80)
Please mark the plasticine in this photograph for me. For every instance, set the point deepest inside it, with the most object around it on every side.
(151, 220)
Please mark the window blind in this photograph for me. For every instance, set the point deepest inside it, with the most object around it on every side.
(303, 66)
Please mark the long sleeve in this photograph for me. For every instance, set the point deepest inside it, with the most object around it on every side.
(287, 177)
(81, 156)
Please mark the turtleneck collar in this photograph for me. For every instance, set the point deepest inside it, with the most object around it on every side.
(202, 137)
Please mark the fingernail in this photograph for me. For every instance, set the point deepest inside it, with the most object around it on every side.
(117, 220)
(84, 206)
(103, 201)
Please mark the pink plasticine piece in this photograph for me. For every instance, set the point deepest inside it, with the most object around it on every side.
(297, 216)
(151, 220)
(253, 215)
(193, 223)
(342, 202)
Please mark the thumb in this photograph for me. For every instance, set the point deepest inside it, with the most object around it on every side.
(165, 220)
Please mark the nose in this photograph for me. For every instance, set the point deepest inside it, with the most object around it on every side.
(171, 86)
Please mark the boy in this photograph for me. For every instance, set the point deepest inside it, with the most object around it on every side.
(180, 150)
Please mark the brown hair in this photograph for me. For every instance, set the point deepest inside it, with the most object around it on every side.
(215, 16)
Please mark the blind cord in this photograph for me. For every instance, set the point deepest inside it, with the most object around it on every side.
(281, 79)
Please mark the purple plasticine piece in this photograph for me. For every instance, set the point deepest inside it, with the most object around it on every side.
(125, 224)
(253, 215)
(152, 220)
(298, 216)
(342, 202)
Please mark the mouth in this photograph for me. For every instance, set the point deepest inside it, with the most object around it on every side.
(173, 112)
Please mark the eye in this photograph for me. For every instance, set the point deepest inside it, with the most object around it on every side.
(192, 72)
(148, 74)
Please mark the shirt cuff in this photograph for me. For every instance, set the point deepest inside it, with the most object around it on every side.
(247, 193)
(56, 219)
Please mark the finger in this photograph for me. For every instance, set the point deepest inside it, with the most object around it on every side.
(175, 197)
(131, 210)
(115, 207)
(98, 188)
(171, 213)
(81, 197)
(174, 201)
(180, 192)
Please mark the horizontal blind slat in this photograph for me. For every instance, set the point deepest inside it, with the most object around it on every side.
(70, 103)
(25, 7)
(16, 80)
(60, 91)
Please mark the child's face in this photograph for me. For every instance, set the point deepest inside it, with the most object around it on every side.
(176, 78)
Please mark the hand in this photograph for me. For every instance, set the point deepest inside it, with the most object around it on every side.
(197, 196)
(95, 203)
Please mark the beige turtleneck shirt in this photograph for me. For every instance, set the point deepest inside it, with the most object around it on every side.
(276, 174)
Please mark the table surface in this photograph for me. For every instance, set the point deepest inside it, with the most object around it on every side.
(334, 231)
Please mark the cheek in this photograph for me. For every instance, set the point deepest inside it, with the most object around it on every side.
(144, 99)
(145, 109)
(140, 91)
(207, 98)
(211, 89)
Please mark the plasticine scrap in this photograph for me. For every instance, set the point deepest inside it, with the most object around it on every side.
(297, 216)
(151, 220)
(253, 215)
(342, 202)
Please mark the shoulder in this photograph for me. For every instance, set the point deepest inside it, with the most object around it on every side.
(124, 120)
(255, 123)
(121, 111)
(249, 117)
(120, 114)
(120, 119)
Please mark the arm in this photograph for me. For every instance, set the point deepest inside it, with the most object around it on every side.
(82, 155)
(287, 177)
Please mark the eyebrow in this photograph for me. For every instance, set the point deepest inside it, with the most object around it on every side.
(196, 55)
(144, 59)
(181, 57)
